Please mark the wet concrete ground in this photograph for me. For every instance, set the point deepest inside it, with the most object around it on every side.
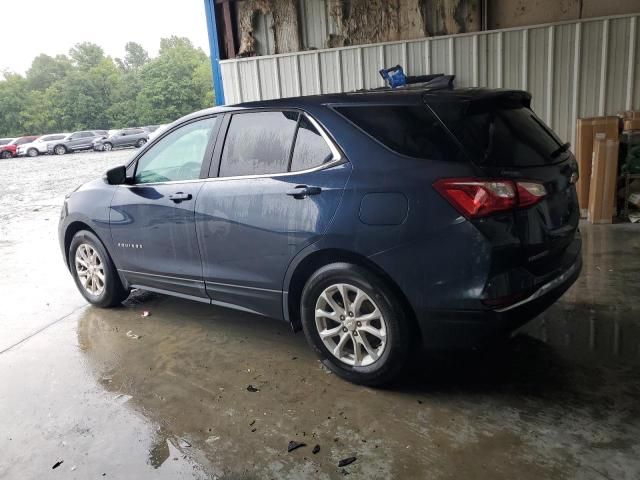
(561, 400)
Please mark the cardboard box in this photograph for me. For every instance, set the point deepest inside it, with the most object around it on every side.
(586, 130)
(604, 176)
(631, 124)
(629, 114)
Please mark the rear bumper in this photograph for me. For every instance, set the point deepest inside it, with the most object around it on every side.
(475, 328)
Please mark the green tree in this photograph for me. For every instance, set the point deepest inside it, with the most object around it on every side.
(46, 70)
(86, 55)
(13, 100)
(174, 83)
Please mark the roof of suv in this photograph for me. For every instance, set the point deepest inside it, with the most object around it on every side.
(408, 95)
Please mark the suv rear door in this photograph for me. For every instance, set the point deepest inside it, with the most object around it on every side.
(505, 139)
(279, 182)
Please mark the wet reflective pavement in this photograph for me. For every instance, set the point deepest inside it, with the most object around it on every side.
(112, 392)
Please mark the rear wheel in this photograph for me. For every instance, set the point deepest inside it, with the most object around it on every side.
(355, 324)
(140, 142)
(94, 272)
(107, 147)
(6, 154)
(33, 152)
(60, 150)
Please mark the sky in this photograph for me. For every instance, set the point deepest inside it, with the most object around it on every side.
(31, 27)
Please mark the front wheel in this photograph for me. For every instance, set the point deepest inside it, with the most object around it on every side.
(140, 143)
(93, 271)
(60, 150)
(355, 324)
(6, 154)
(33, 152)
(107, 147)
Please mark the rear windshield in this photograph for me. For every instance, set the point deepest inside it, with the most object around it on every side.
(411, 130)
(501, 133)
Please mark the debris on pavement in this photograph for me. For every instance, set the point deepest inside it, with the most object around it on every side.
(183, 443)
(130, 334)
(316, 449)
(252, 389)
(293, 445)
(252, 423)
(57, 464)
(146, 313)
(253, 430)
(73, 468)
(346, 461)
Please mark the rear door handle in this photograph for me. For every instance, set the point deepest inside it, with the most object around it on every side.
(179, 197)
(302, 191)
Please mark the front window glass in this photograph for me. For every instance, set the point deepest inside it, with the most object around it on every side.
(178, 156)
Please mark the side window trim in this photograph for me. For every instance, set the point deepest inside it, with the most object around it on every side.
(207, 154)
(214, 171)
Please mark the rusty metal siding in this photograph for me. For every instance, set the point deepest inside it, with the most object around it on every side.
(573, 69)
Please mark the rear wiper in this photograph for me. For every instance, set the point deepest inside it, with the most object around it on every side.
(561, 149)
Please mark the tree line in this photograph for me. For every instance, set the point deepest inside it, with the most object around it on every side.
(89, 90)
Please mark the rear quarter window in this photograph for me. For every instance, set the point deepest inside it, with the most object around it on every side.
(410, 130)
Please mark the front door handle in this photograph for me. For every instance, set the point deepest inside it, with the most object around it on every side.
(302, 191)
(179, 197)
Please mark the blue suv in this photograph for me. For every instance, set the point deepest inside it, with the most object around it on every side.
(374, 221)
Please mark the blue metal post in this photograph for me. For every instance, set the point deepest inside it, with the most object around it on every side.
(212, 28)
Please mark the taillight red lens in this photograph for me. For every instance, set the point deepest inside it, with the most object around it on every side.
(480, 197)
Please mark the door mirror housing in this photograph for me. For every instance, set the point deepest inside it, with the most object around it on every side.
(116, 175)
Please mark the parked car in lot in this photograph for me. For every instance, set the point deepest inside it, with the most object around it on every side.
(127, 137)
(40, 145)
(373, 221)
(4, 141)
(75, 141)
(10, 149)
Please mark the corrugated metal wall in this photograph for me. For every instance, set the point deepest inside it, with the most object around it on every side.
(573, 69)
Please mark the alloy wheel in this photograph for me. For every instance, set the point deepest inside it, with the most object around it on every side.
(107, 147)
(60, 150)
(32, 152)
(90, 269)
(350, 325)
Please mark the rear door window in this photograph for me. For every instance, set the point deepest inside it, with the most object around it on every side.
(410, 130)
(258, 143)
(310, 149)
(501, 133)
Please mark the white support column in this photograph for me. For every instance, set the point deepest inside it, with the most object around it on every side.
(476, 61)
(319, 76)
(550, 62)
(525, 59)
(298, 75)
(427, 52)
(276, 77)
(382, 65)
(631, 68)
(339, 71)
(577, 52)
(452, 60)
(499, 60)
(603, 68)
(361, 67)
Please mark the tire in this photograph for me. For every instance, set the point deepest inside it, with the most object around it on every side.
(388, 359)
(107, 293)
(33, 152)
(59, 149)
(140, 143)
(107, 147)
(6, 154)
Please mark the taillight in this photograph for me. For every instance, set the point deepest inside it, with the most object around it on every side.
(481, 197)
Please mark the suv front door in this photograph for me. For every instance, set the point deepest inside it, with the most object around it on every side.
(256, 216)
(152, 220)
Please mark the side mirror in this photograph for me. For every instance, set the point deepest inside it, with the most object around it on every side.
(116, 175)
